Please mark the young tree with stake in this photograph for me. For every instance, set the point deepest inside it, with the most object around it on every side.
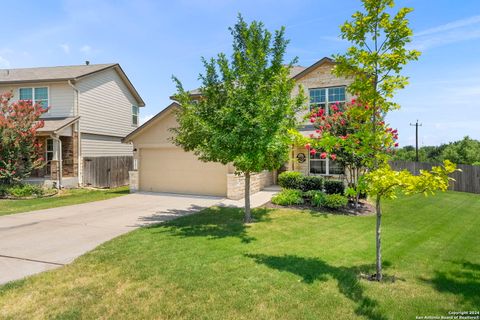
(374, 63)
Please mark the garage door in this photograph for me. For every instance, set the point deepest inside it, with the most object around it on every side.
(177, 171)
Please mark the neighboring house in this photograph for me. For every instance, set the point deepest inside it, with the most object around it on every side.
(164, 167)
(91, 107)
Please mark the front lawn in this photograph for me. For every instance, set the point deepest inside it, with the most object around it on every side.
(289, 265)
(65, 198)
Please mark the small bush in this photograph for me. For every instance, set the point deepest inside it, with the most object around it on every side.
(288, 197)
(290, 180)
(317, 198)
(334, 187)
(310, 193)
(3, 190)
(25, 190)
(311, 183)
(334, 201)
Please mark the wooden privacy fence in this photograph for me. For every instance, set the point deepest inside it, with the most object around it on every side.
(466, 181)
(106, 172)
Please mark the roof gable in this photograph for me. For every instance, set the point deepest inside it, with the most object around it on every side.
(313, 67)
(150, 122)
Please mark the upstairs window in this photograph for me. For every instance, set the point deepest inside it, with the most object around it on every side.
(135, 112)
(323, 98)
(37, 95)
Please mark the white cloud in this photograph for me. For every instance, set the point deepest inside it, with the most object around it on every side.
(451, 25)
(452, 32)
(4, 63)
(86, 49)
(65, 47)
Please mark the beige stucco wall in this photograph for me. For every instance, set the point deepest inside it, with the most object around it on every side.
(157, 134)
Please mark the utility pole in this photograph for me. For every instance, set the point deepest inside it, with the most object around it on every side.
(416, 138)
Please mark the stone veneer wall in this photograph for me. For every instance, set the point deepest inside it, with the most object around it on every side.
(236, 183)
(133, 181)
(69, 156)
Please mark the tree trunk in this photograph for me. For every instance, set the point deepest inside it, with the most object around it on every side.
(248, 216)
(379, 275)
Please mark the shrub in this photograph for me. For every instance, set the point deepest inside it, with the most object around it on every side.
(334, 187)
(3, 190)
(290, 180)
(288, 197)
(311, 183)
(25, 190)
(334, 201)
(317, 198)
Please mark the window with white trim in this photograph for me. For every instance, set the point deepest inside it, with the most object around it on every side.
(323, 98)
(135, 113)
(49, 150)
(319, 166)
(37, 95)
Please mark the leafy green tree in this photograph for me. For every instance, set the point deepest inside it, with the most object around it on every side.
(374, 63)
(466, 151)
(245, 113)
(375, 60)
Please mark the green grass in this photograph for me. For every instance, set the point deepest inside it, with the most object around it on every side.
(66, 198)
(289, 265)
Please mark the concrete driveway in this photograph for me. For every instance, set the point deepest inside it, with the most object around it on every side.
(37, 241)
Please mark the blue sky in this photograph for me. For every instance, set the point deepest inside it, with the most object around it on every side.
(154, 40)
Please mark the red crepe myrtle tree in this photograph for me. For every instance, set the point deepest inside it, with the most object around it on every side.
(345, 134)
(20, 152)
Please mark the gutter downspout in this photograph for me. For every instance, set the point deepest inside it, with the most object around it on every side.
(79, 139)
(60, 160)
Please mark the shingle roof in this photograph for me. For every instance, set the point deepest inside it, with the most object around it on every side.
(296, 70)
(50, 73)
(56, 124)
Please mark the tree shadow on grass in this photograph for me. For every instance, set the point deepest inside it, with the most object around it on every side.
(215, 223)
(313, 269)
(463, 280)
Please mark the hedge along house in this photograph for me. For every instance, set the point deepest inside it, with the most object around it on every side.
(164, 167)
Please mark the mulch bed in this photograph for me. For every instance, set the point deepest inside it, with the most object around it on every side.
(364, 208)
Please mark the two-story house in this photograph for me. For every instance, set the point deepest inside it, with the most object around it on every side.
(167, 168)
(91, 107)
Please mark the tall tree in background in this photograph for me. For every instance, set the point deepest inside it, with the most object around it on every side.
(245, 111)
(374, 63)
(19, 151)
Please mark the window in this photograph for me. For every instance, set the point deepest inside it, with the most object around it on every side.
(37, 95)
(324, 166)
(323, 98)
(49, 150)
(317, 164)
(135, 112)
